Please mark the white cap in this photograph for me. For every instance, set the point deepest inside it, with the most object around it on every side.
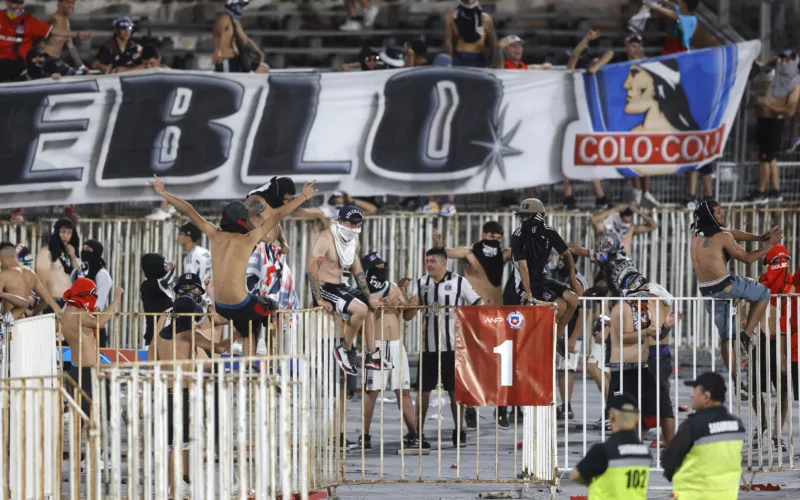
(512, 39)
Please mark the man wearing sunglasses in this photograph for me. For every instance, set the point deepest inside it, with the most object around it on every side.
(18, 31)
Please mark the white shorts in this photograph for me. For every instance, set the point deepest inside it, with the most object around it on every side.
(395, 353)
(596, 355)
(572, 359)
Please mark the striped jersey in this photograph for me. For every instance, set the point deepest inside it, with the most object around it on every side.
(438, 325)
(198, 261)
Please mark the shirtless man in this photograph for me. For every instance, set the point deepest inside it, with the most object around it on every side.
(54, 45)
(620, 220)
(16, 284)
(232, 46)
(633, 321)
(333, 260)
(387, 319)
(467, 32)
(712, 247)
(79, 329)
(58, 259)
(231, 246)
(483, 263)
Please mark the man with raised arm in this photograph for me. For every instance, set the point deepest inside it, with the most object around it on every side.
(712, 247)
(334, 257)
(231, 246)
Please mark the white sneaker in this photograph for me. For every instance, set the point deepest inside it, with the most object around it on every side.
(447, 209)
(648, 196)
(637, 197)
(351, 25)
(369, 16)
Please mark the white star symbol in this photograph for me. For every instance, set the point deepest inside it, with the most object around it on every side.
(498, 148)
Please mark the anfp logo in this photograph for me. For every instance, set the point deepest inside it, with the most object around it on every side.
(492, 320)
(515, 320)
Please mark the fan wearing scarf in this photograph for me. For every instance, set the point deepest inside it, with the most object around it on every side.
(712, 247)
(645, 314)
(231, 246)
(483, 262)
(333, 260)
(17, 282)
(774, 108)
(58, 258)
(467, 33)
(94, 267)
(531, 245)
(79, 324)
(155, 291)
(620, 220)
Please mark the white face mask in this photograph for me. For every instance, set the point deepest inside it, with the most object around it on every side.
(348, 234)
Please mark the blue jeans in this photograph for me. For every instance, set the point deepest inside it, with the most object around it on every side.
(741, 288)
(469, 59)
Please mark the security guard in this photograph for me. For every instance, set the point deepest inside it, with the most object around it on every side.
(619, 468)
(704, 459)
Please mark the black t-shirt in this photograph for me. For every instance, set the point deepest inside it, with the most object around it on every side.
(110, 54)
(154, 300)
(535, 248)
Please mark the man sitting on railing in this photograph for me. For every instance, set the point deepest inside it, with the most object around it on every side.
(712, 247)
(231, 246)
(16, 284)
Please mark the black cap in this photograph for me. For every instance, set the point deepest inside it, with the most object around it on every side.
(123, 22)
(351, 214)
(713, 383)
(633, 38)
(371, 260)
(419, 47)
(190, 280)
(624, 402)
(234, 218)
(192, 231)
(788, 54)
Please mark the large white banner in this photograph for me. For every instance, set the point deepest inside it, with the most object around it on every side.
(408, 132)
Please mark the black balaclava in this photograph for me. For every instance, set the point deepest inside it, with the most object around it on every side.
(92, 261)
(490, 255)
(234, 218)
(58, 251)
(154, 266)
(705, 224)
(278, 188)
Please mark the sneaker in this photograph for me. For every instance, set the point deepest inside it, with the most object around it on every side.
(17, 216)
(520, 413)
(774, 195)
(448, 209)
(471, 418)
(637, 196)
(374, 361)
(690, 203)
(778, 446)
(463, 439)
(343, 358)
(602, 203)
(561, 348)
(560, 413)
(649, 198)
(502, 421)
(794, 146)
(365, 441)
(350, 25)
(757, 198)
(369, 16)
(346, 443)
(411, 441)
(570, 204)
(429, 208)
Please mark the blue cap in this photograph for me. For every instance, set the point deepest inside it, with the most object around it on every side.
(442, 60)
(351, 214)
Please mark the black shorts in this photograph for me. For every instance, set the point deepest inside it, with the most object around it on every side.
(85, 376)
(11, 69)
(428, 371)
(252, 312)
(794, 380)
(664, 366)
(340, 296)
(547, 289)
(707, 169)
(171, 416)
(650, 393)
(235, 65)
(759, 365)
(769, 134)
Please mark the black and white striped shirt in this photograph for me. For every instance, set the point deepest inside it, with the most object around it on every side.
(198, 261)
(438, 325)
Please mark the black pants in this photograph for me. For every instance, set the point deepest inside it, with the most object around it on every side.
(11, 69)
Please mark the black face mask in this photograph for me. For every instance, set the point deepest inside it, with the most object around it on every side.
(376, 279)
(192, 293)
(490, 256)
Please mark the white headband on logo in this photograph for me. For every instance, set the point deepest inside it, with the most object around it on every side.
(672, 77)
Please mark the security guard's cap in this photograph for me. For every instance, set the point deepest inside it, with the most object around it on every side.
(625, 403)
(713, 383)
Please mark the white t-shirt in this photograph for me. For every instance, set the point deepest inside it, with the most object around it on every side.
(198, 261)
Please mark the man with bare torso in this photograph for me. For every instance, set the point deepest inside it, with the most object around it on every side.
(641, 316)
(78, 329)
(467, 32)
(16, 284)
(232, 46)
(231, 246)
(334, 257)
(55, 44)
(712, 247)
(620, 220)
(58, 259)
(387, 324)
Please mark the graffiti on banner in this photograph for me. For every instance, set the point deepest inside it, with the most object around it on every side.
(656, 116)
